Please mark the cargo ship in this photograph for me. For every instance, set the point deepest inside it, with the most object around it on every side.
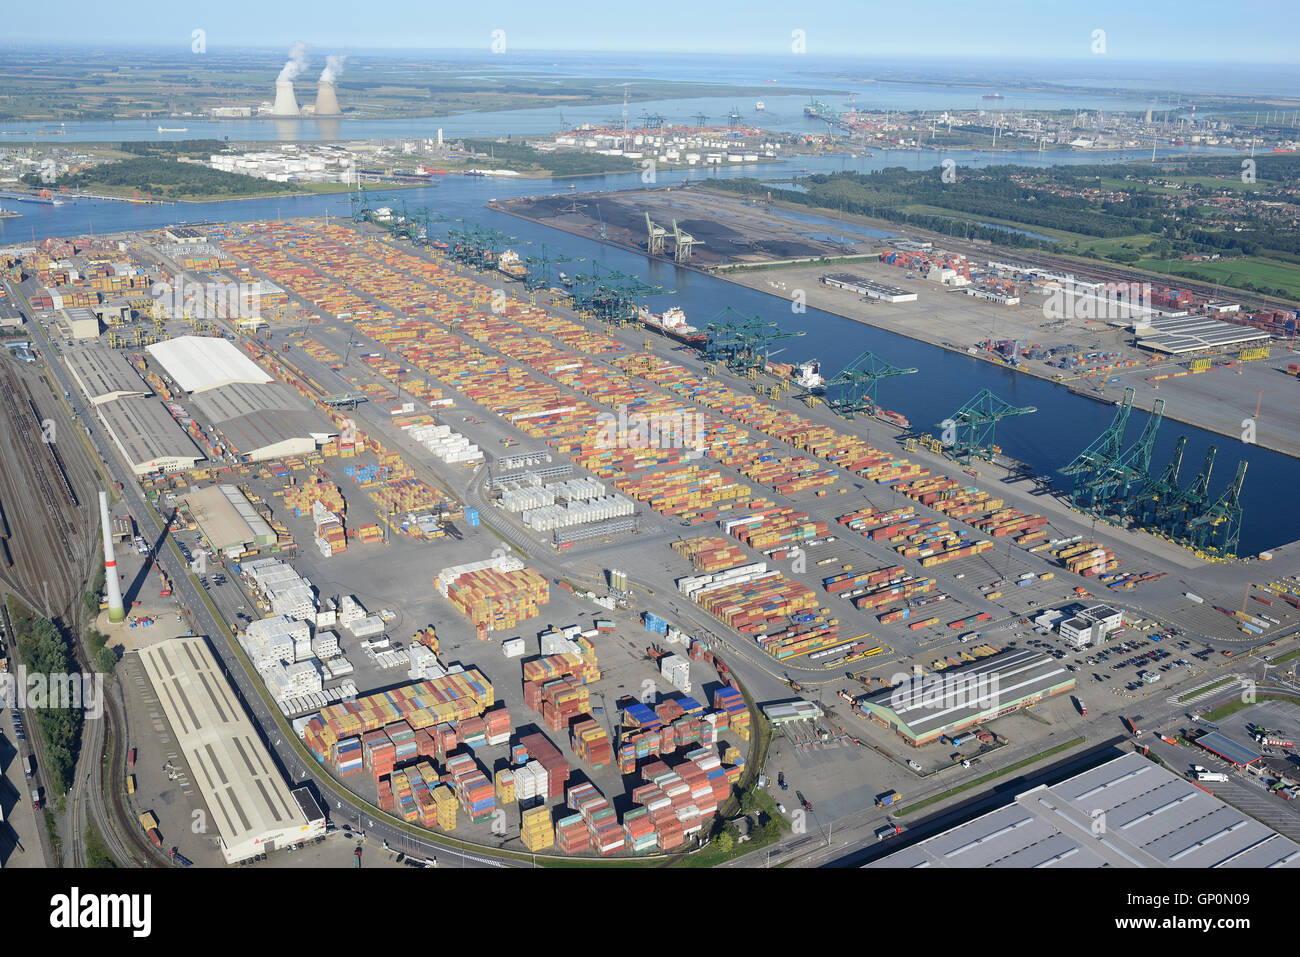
(511, 265)
(176, 129)
(808, 375)
(672, 323)
(994, 96)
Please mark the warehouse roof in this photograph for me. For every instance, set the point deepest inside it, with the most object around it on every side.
(926, 704)
(256, 417)
(226, 517)
(104, 375)
(1128, 812)
(1178, 334)
(1227, 749)
(198, 363)
(248, 799)
(147, 436)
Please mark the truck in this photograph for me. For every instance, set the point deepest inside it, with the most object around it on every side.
(1204, 775)
(888, 798)
(888, 831)
(179, 858)
(1083, 708)
(36, 799)
(803, 801)
(971, 636)
(29, 766)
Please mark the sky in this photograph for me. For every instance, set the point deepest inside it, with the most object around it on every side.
(1167, 30)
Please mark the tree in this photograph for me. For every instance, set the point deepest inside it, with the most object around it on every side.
(724, 842)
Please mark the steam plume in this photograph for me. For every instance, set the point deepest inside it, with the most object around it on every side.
(296, 63)
(333, 67)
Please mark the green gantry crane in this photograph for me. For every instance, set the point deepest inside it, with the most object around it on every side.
(538, 275)
(1218, 527)
(611, 296)
(1114, 484)
(1104, 453)
(971, 428)
(856, 384)
(1157, 491)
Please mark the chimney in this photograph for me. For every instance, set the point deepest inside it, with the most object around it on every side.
(116, 612)
(286, 104)
(327, 101)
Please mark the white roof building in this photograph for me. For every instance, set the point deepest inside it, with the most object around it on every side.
(247, 800)
(199, 363)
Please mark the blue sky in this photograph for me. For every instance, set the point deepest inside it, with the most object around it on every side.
(1179, 30)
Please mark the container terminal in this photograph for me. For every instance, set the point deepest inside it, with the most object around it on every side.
(479, 541)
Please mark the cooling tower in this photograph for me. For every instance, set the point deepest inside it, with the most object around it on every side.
(286, 104)
(327, 101)
(112, 588)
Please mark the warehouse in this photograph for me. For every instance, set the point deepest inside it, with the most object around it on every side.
(261, 421)
(147, 436)
(78, 322)
(103, 375)
(1128, 812)
(925, 708)
(246, 796)
(227, 519)
(1178, 335)
(199, 363)
(868, 287)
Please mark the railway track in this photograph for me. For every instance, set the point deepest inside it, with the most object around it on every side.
(42, 513)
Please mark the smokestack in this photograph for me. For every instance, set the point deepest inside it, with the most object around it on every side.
(116, 612)
(286, 104)
(327, 101)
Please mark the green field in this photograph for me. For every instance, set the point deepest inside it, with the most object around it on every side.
(1261, 273)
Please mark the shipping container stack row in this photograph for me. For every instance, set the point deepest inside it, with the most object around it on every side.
(421, 705)
(582, 668)
(496, 600)
(590, 743)
(536, 829)
(474, 791)
(772, 528)
(749, 598)
(710, 554)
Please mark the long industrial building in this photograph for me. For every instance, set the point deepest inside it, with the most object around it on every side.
(103, 375)
(247, 797)
(928, 707)
(261, 421)
(1178, 335)
(147, 436)
(1128, 812)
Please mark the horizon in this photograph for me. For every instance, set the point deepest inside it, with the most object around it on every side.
(1165, 31)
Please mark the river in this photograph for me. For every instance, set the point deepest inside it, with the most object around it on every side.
(1064, 424)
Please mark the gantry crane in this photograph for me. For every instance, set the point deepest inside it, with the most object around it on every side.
(538, 274)
(1104, 452)
(742, 341)
(1110, 488)
(1218, 527)
(684, 244)
(478, 247)
(611, 296)
(978, 420)
(656, 237)
(1178, 511)
(857, 383)
(1158, 491)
